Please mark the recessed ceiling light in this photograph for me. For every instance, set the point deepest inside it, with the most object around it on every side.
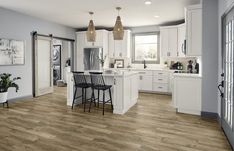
(148, 2)
(156, 16)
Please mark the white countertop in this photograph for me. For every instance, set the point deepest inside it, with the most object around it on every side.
(187, 75)
(113, 73)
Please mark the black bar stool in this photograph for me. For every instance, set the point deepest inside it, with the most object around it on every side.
(80, 82)
(98, 84)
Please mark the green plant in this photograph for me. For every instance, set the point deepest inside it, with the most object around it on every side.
(6, 82)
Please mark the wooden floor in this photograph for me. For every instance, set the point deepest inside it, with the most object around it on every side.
(47, 124)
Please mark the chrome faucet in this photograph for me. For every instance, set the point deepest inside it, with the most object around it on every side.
(144, 62)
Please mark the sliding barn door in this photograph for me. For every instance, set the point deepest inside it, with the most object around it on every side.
(43, 65)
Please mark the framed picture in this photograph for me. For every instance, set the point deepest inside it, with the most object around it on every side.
(119, 63)
(12, 52)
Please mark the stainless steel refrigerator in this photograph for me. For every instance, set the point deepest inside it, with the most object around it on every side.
(93, 58)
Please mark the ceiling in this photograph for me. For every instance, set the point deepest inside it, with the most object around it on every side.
(74, 13)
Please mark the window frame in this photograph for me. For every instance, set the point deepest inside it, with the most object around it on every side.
(133, 47)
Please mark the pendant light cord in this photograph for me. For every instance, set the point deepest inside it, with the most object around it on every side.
(118, 9)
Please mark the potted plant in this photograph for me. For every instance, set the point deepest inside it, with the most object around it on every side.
(5, 83)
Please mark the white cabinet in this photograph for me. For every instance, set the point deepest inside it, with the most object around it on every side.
(101, 38)
(194, 30)
(187, 94)
(181, 40)
(120, 48)
(156, 81)
(169, 41)
(145, 80)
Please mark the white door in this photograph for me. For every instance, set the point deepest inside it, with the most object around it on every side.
(43, 66)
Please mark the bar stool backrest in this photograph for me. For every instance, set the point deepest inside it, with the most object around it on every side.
(97, 79)
(79, 78)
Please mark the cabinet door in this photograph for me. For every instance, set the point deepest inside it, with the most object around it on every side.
(172, 42)
(146, 83)
(181, 38)
(118, 48)
(126, 44)
(164, 42)
(97, 43)
(111, 45)
(80, 50)
(99, 39)
(194, 32)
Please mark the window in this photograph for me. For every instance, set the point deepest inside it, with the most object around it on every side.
(146, 47)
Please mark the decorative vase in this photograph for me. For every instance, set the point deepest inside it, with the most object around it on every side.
(3, 97)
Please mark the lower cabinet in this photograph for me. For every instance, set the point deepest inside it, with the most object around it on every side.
(160, 87)
(155, 81)
(186, 94)
(145, 83)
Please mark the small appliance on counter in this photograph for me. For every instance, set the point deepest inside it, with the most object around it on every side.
(176, 66)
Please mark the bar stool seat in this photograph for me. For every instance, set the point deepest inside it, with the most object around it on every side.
(83, 85)
(102, 87)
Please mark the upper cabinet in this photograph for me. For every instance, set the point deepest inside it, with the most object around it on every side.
(120, 48)
(194, 30)
(169, 41)
(101, 39)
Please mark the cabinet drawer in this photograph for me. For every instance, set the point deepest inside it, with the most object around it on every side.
(160, 87)
(161, 79)
(161, 73)
(148, 73)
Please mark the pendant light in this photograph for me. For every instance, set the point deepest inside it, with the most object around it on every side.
(118, 31)
(91, 32)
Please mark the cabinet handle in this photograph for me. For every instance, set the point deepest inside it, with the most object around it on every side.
(160, 87)
(160, 73)
(142, 72)
(160, 79)
(141, 77)
(114, 81)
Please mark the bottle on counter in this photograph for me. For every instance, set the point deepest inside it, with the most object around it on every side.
(196, 68)
(190, 66)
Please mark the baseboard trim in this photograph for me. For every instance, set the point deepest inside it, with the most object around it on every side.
(210, 115)
(21, 98)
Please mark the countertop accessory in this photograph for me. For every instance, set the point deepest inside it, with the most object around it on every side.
(119, 63)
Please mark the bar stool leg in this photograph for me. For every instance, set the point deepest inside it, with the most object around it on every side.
(82, 96)
(103, 102)
(98, 97)
(7, 104)
(92, 99)
(111, 99)
(74, 97)
(84, 99)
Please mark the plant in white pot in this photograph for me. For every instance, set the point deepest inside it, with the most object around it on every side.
(5, 83)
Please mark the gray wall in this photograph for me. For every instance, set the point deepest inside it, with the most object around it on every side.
(19, 26)
(210, 56)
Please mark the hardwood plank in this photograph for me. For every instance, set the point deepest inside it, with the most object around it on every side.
(46, 123)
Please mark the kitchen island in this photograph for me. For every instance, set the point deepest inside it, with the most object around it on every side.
(124, 89)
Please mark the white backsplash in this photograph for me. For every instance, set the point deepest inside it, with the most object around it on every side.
(183, 60)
